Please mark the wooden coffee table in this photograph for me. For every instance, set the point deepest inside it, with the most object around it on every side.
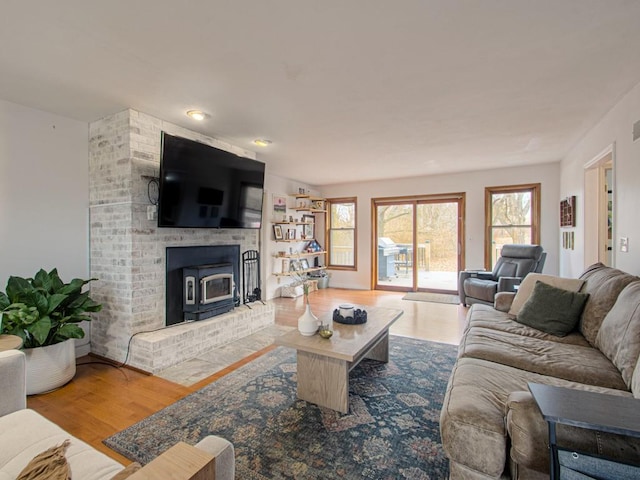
(324, 364)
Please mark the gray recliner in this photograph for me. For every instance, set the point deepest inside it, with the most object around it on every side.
(515, 262)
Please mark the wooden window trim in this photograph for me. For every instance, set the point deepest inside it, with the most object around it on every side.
(460, 197)
(328, 229)
(536, 191)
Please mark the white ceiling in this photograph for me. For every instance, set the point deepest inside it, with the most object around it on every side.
(346, 89)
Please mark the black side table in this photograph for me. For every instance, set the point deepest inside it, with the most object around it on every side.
(590, 410)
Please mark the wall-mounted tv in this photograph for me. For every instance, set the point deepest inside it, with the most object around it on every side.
(205, 187)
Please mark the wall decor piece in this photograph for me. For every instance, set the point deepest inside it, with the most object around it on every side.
(568, 240)
(567, 212)
(279, 206)
(277, 232)
(308, 230)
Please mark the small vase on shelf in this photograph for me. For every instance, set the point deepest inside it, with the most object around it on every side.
(307, 322)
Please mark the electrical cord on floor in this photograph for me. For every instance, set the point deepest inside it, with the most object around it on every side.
(126, 358)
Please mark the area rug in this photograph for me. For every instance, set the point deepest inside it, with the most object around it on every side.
(390, 432)
(432, 297)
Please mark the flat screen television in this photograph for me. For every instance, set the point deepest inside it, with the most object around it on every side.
(205, 187)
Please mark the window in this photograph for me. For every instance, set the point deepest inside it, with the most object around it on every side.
(512, 215)
(342, 236)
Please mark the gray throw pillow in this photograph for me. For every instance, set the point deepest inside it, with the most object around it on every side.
(552, 310)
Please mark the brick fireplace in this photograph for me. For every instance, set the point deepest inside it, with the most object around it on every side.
(127, 249)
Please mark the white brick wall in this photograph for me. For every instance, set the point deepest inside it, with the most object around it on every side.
(128, 250)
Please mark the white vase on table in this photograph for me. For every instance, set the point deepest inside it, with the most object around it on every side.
(307, 322)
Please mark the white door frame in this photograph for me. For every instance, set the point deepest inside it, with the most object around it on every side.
(595, 207)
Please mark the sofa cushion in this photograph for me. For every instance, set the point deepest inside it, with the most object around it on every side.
(552, 310)
(603, 284)
(619, 334)
(487, 317)
(479, 288)
(26, 433)
(526, 288)
(576, 363)
(507, 268)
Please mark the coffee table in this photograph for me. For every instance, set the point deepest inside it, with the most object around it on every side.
(324, 364)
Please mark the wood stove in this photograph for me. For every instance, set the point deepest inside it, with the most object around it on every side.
(208, 290)
(190, 299)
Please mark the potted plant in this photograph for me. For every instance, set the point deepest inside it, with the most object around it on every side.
(45, 312)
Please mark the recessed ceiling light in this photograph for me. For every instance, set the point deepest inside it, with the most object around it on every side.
(197, 115)
(261, 142)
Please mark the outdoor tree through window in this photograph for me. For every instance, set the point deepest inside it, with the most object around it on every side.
(512, 216)
(342, 233)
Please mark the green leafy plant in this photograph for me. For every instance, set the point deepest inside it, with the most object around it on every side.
(44, 310)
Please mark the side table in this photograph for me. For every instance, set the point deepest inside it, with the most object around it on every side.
(10, 342)
(590, 410)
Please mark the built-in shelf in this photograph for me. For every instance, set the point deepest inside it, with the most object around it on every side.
(301, 254)
(309, 197)
(293, 223)
(304, 203)
(311, 210)
(295, 240)
(298, 272)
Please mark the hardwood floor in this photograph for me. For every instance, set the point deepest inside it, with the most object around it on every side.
(102, 399)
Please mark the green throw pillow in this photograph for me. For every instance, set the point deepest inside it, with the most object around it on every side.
(552, 310)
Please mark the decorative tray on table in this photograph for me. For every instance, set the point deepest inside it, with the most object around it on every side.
(359, 316)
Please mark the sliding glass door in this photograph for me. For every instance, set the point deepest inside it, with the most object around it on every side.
(419, 243)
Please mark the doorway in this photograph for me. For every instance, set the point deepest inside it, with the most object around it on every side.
(419, 243)
(599, 208)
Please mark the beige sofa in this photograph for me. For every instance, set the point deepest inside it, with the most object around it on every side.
(490, 425)
(24, 434)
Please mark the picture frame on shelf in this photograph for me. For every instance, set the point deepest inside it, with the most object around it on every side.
(277, 232)
(291, 234)
(308, 229)
(294, 266)
(304, 264)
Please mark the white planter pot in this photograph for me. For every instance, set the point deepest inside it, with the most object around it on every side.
(50, 367)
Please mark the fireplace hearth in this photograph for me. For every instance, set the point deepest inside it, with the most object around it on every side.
(201, 282)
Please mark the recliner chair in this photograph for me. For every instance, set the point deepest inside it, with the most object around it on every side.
(515, 262)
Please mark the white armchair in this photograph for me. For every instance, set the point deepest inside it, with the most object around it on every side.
(24, 433)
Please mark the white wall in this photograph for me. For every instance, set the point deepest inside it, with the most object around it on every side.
(615, 128)
(473, 183)
(44, 194)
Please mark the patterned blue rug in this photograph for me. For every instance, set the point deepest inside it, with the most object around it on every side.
(391, 431)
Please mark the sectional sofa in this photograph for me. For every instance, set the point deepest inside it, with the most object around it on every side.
(490, 425)
(24, 434)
